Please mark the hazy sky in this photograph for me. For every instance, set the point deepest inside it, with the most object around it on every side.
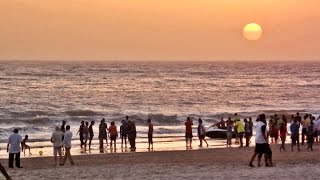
(158, 29)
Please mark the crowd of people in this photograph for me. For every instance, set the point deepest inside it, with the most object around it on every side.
(275, 128)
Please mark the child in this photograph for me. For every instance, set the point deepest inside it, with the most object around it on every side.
(24, 145)
(113, 134)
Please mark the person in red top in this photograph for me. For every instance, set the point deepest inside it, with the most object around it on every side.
(113, 134)
(189, 136)
(283, 135)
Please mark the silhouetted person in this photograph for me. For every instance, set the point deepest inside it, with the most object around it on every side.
(102, 133)
(123, 133)
(13, 148)
(91, 133)
(80, 132)
(132, 134)
(150, 134)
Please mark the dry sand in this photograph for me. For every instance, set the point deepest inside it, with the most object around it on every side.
(222, 163)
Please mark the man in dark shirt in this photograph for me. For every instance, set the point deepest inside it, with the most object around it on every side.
(294, 128)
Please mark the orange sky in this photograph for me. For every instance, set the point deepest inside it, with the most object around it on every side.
(158, 29)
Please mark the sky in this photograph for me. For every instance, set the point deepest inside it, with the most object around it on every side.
(158, 30)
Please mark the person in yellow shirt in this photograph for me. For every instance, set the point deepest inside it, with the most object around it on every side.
(240, 130)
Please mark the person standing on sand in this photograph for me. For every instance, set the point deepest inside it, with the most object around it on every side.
(247, 133)
(91, 133)
(56, 139)
(251, 128)
(236, 119)
(229, 131)
(67, 144)
(123, 133)
(150, 134)
(132, 134)
(294, 128)
(85, 134)
(240, 131)
(102, 133)
(310, 136)
(305, 123)
(13, 147)
(113, 134)
(80, 132)
(189, 135)
(261, 140)
(4, 172)
(63, 126)
(202, 133)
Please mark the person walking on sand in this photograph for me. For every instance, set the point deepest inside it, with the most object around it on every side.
(261, 140)
(305, 124)
(24, 145)
(80, 132)
(91, 133)
(189, 135)
(123, 133)
(202, 133)
(102, 133)
(85, 134)
(113, 134)
(229, 131)
(56, 139)
(132, 134)
(150, 134)
(67, 144)
(283, 135)
(13, 147)
(294, 128)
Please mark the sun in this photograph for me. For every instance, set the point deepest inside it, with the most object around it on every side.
(252, 31)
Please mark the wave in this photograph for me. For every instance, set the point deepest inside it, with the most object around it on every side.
(83, 113)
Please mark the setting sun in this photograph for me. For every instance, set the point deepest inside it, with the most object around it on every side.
(252, 31)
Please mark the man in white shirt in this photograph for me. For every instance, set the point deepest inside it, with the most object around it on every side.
(56, 139)
(13, 148)
(67, 144)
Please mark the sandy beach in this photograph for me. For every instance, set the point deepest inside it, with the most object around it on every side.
(220, 163)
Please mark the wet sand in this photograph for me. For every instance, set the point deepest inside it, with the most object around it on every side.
(220, 163)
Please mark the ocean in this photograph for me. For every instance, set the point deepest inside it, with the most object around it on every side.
(37, 96)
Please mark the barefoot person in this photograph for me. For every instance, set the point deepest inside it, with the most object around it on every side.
(67, 144)
(91, 133)
(24, 145)
(56, 139)
(85, 134)
(150, 134)
(13, 147)
(189, 136)
(261, 140)
(294, 128)
(123, 133)
(80, 132)
(113, 134)
(202, 133)
(132, 134)
(102, 133)
(229, 131)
